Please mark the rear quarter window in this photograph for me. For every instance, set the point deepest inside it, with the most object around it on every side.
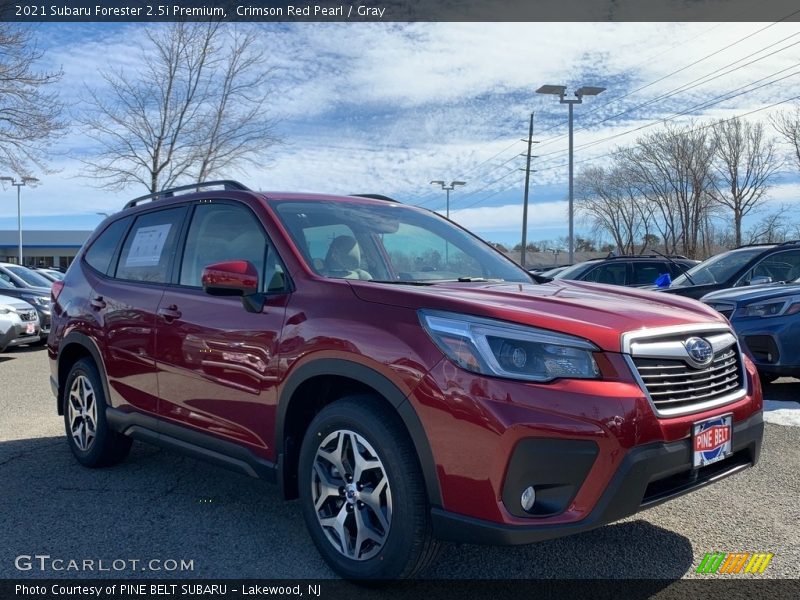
(101, 252)
(149, 248)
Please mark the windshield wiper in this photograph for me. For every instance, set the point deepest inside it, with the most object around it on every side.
(403, 281)
(684, 273)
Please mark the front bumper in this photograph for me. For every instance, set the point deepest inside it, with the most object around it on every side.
(772, 344)
(17, 335)
(648, 475)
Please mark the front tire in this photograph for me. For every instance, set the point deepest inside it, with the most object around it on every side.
(362, 492)
(89, 437)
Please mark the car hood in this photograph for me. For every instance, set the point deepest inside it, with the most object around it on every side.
(599, 313)
(14, 302)
(757, 292)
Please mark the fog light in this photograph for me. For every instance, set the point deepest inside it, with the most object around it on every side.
(528, 498)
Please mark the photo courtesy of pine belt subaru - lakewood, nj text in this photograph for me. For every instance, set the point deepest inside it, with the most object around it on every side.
(403, 379)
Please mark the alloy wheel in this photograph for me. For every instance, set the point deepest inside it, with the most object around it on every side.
(351, 494)
(82, 413)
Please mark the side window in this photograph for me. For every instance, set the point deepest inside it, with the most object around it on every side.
(150, 246)
(646, 273)
(612, 273)
(781, 266)
(101, 252)
(221, 232)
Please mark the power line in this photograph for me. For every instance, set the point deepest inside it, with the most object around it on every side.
(600, 106)
(703, 105)
(716, 74)
(594, 158)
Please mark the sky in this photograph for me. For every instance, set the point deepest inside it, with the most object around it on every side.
(386, 108)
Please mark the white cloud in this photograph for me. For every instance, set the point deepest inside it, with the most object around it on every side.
(388, 107)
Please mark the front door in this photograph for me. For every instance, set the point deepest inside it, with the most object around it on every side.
(217, 363)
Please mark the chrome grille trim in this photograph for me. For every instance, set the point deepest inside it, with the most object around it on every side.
(27, 315)
(669, 378)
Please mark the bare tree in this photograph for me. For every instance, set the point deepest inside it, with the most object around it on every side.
(744, 165)
(606, 197)
(771, 229)
(237, 128)
(787, 123)
(672, 169)
(196, 107)
(30, 114)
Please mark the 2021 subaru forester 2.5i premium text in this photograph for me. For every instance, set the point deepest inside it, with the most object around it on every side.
(400, 377)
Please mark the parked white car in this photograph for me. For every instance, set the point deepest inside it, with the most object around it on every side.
(19, 322)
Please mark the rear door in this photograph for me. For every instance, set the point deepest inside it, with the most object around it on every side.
(645, 272)
(218, 363)
(124, 300)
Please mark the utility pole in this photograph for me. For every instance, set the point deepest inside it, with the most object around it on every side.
(527, 187)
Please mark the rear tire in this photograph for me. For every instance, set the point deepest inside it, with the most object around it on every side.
(89, 437)
(362, 492)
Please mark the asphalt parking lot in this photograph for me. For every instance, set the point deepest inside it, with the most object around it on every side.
(159, 505)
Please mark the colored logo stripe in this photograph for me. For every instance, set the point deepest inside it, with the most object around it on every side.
(735, 562)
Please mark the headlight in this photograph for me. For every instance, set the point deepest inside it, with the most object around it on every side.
(5, 309)
(497, 348)
(774, 307)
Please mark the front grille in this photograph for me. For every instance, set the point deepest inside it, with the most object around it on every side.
(27, 315)
(677, 386)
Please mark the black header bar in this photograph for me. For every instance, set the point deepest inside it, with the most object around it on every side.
(399, 10)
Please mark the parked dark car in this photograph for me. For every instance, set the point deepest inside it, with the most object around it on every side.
(50, 274)
(39, 297)
(748, 265)
(767, 320)
(404, 379)
(634, 271)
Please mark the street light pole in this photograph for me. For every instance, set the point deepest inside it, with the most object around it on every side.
(18, 183)
(448, 189)
(560, 91)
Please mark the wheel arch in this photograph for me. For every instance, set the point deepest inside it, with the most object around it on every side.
(73, 348)
(365, 380)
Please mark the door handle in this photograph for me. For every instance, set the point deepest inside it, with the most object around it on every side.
(169, 313)
(98, 303)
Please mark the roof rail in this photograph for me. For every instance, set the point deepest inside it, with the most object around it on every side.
(375, 197)
(226, 184)
(629, 256)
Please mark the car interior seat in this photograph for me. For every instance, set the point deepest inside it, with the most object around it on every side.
(344, 259)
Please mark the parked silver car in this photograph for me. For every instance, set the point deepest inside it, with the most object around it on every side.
(19, 323)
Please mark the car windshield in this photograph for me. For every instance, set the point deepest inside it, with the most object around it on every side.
(716, 269)
(30, 277)
(5, 285)
(390, 243)
(573, 271)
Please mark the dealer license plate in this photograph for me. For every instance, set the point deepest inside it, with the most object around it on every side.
(30, 328)
(712, 440)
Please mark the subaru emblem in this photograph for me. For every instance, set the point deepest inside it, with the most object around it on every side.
(699, 350)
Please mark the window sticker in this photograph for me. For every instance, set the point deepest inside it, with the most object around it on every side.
(147, 246)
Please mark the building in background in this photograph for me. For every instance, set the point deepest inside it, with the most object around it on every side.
(42, 248)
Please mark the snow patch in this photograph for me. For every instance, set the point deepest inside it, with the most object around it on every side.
(782, 413)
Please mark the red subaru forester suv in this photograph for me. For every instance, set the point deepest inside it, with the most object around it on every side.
(401, 377)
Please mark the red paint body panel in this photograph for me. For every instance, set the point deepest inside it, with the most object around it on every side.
(209, 365)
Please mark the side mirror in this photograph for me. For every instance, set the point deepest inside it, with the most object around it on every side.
(760, 280)
(230, 278)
